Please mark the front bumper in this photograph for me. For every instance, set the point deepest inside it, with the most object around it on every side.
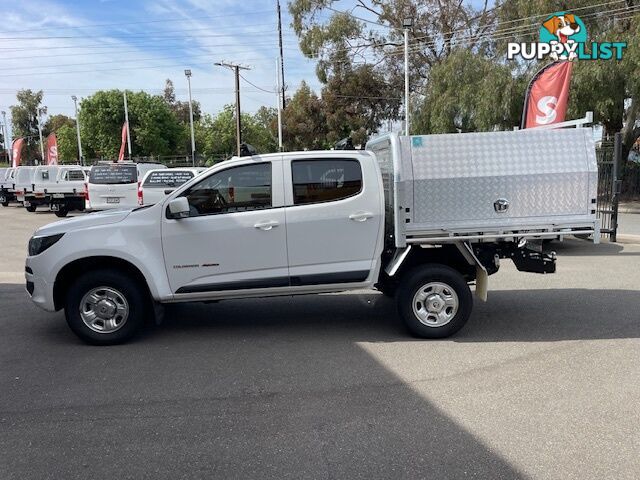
(40, 291)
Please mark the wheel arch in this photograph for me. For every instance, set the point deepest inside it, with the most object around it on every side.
(79, 266)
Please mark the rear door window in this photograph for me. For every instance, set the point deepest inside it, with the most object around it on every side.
(316, 181)
(113, 174)
(75, 176)
(168, 178)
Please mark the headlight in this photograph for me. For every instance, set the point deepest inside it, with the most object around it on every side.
(37, 245)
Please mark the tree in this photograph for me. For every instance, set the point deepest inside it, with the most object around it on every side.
(180, 109)
(304, 121)
(356, 100)
(55, 122)
(347, 40)
(24, 121)
(154, 128)
(67, 143)
(486, 96)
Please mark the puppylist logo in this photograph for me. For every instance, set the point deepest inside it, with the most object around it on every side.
(563, 36)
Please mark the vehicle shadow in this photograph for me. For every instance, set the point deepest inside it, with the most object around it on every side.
(509, 315)
(575, 247)
(256, 389)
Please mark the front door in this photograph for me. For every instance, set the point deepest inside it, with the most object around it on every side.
(235, 236)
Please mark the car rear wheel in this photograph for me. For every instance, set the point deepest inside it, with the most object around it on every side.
(105, 307)
(434, 301)
(31, 208)
(62, 212)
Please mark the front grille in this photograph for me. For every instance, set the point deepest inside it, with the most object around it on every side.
(30, 288)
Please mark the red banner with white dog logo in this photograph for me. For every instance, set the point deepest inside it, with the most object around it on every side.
(547, 96)
(52, 149)
(16, 151)
(123, 142)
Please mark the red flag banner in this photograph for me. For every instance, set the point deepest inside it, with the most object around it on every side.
(547, 96)
(16, 151)
(123, 143)
(52, 149)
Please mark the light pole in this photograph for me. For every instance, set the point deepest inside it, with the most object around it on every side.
(407, 23)
(40, 133)
(75, 103)
(193, 138)
(236, 68)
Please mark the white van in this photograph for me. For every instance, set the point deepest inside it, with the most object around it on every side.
(157, 184)
(24, 184)
(115, 185)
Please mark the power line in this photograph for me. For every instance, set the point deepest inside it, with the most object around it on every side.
(147, 22)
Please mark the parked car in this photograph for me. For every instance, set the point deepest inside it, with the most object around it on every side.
(417, 217)
(24, 178)
(44, 177)
(157, 184)
(68, 192)
(115, 185)
(7, 187)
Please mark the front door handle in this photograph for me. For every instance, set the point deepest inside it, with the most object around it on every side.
(360, 216)
(266, 225)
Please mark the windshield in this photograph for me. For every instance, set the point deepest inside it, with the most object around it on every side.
(113, 174)
(168, 178)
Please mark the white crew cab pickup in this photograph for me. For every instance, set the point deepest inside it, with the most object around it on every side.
(417, 217)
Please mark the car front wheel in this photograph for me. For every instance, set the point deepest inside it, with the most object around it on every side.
(105, 307)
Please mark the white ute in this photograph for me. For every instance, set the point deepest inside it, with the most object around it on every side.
(7, 186)
(420, 218)
(23, 184)
(67, 192)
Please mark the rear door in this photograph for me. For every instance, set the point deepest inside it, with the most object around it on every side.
(113, 186)
(334, 217)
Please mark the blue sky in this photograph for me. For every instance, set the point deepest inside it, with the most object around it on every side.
(68, 47)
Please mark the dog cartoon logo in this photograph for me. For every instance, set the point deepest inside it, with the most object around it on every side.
(563, 28)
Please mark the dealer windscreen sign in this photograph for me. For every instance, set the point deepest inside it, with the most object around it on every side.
(563, 36)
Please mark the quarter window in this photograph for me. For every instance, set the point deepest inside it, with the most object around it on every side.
(316, 181)
(236, 189)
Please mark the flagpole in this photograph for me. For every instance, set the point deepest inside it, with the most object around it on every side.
(126, 120)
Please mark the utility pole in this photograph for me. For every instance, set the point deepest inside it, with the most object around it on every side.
(75, 103)
(40, 133)
(193, 138)
(126, 120)
(236, 69)
(407, 23)
(281, 54)
(9, 145)
(279, 105)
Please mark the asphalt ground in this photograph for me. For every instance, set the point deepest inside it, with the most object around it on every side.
(543, 382)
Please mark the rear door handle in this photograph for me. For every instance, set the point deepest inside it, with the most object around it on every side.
(266, 225)
(360, 216)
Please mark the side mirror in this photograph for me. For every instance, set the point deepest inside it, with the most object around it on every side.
(178, 208)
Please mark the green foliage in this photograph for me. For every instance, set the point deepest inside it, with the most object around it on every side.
(486, 96)
(67, 143)
(24, 121)
(55, 122)
(153, 126)
(304, 121)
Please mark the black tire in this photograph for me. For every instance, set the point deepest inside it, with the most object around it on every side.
(420, 277)
(62, 212)
(31, 208)
(5, 204)
(136, 299)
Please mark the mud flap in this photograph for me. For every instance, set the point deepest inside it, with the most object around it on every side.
(482, 283)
